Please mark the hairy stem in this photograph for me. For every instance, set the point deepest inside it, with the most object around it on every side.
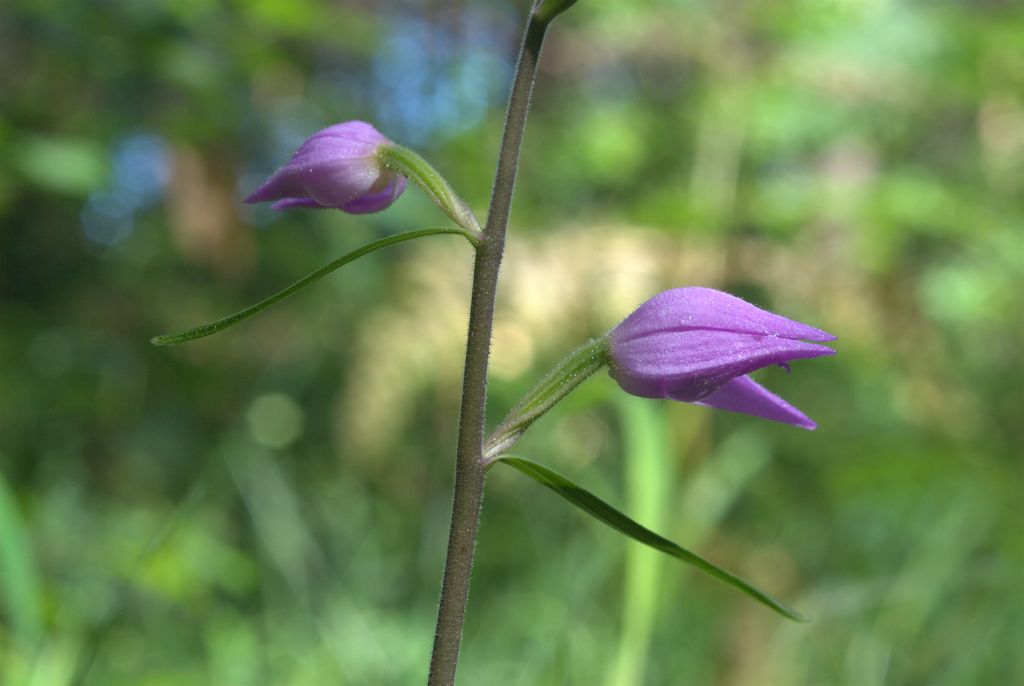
(469, 472)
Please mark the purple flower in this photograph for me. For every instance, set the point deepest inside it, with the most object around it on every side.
(697, 345)
(336, 167)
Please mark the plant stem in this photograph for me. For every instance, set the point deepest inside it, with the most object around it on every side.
(469, 472)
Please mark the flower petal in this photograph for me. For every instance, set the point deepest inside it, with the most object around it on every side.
(353, 130)
(279, 186)
(375, 202)
(684, 309)
(340, 181)
(745, 395)
(335, 167)
(688, 365)
(295, 203)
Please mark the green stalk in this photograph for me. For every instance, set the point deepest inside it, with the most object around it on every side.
(559, 382)
(469, 469)
(411, 165)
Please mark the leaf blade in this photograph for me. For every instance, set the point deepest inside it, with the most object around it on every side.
(225, 322)
(599, 509)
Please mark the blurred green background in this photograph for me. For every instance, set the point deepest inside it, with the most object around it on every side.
(269, 506)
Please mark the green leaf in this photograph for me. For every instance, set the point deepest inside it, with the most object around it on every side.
(232, 319)
(592, 505)
(59, 164)
(20, 593)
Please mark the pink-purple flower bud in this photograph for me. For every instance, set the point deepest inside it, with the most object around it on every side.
(697, 345)
(335, 167)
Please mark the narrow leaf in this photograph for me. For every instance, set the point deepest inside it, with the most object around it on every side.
(594, 506)
(21, 598)
(232, 319)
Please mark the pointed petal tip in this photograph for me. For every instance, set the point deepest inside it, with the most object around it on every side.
(262, 194)
(806, 423)
(805, 351)
(746, 396)
(803, 332)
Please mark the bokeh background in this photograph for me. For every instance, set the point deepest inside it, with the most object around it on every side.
(269, 506)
